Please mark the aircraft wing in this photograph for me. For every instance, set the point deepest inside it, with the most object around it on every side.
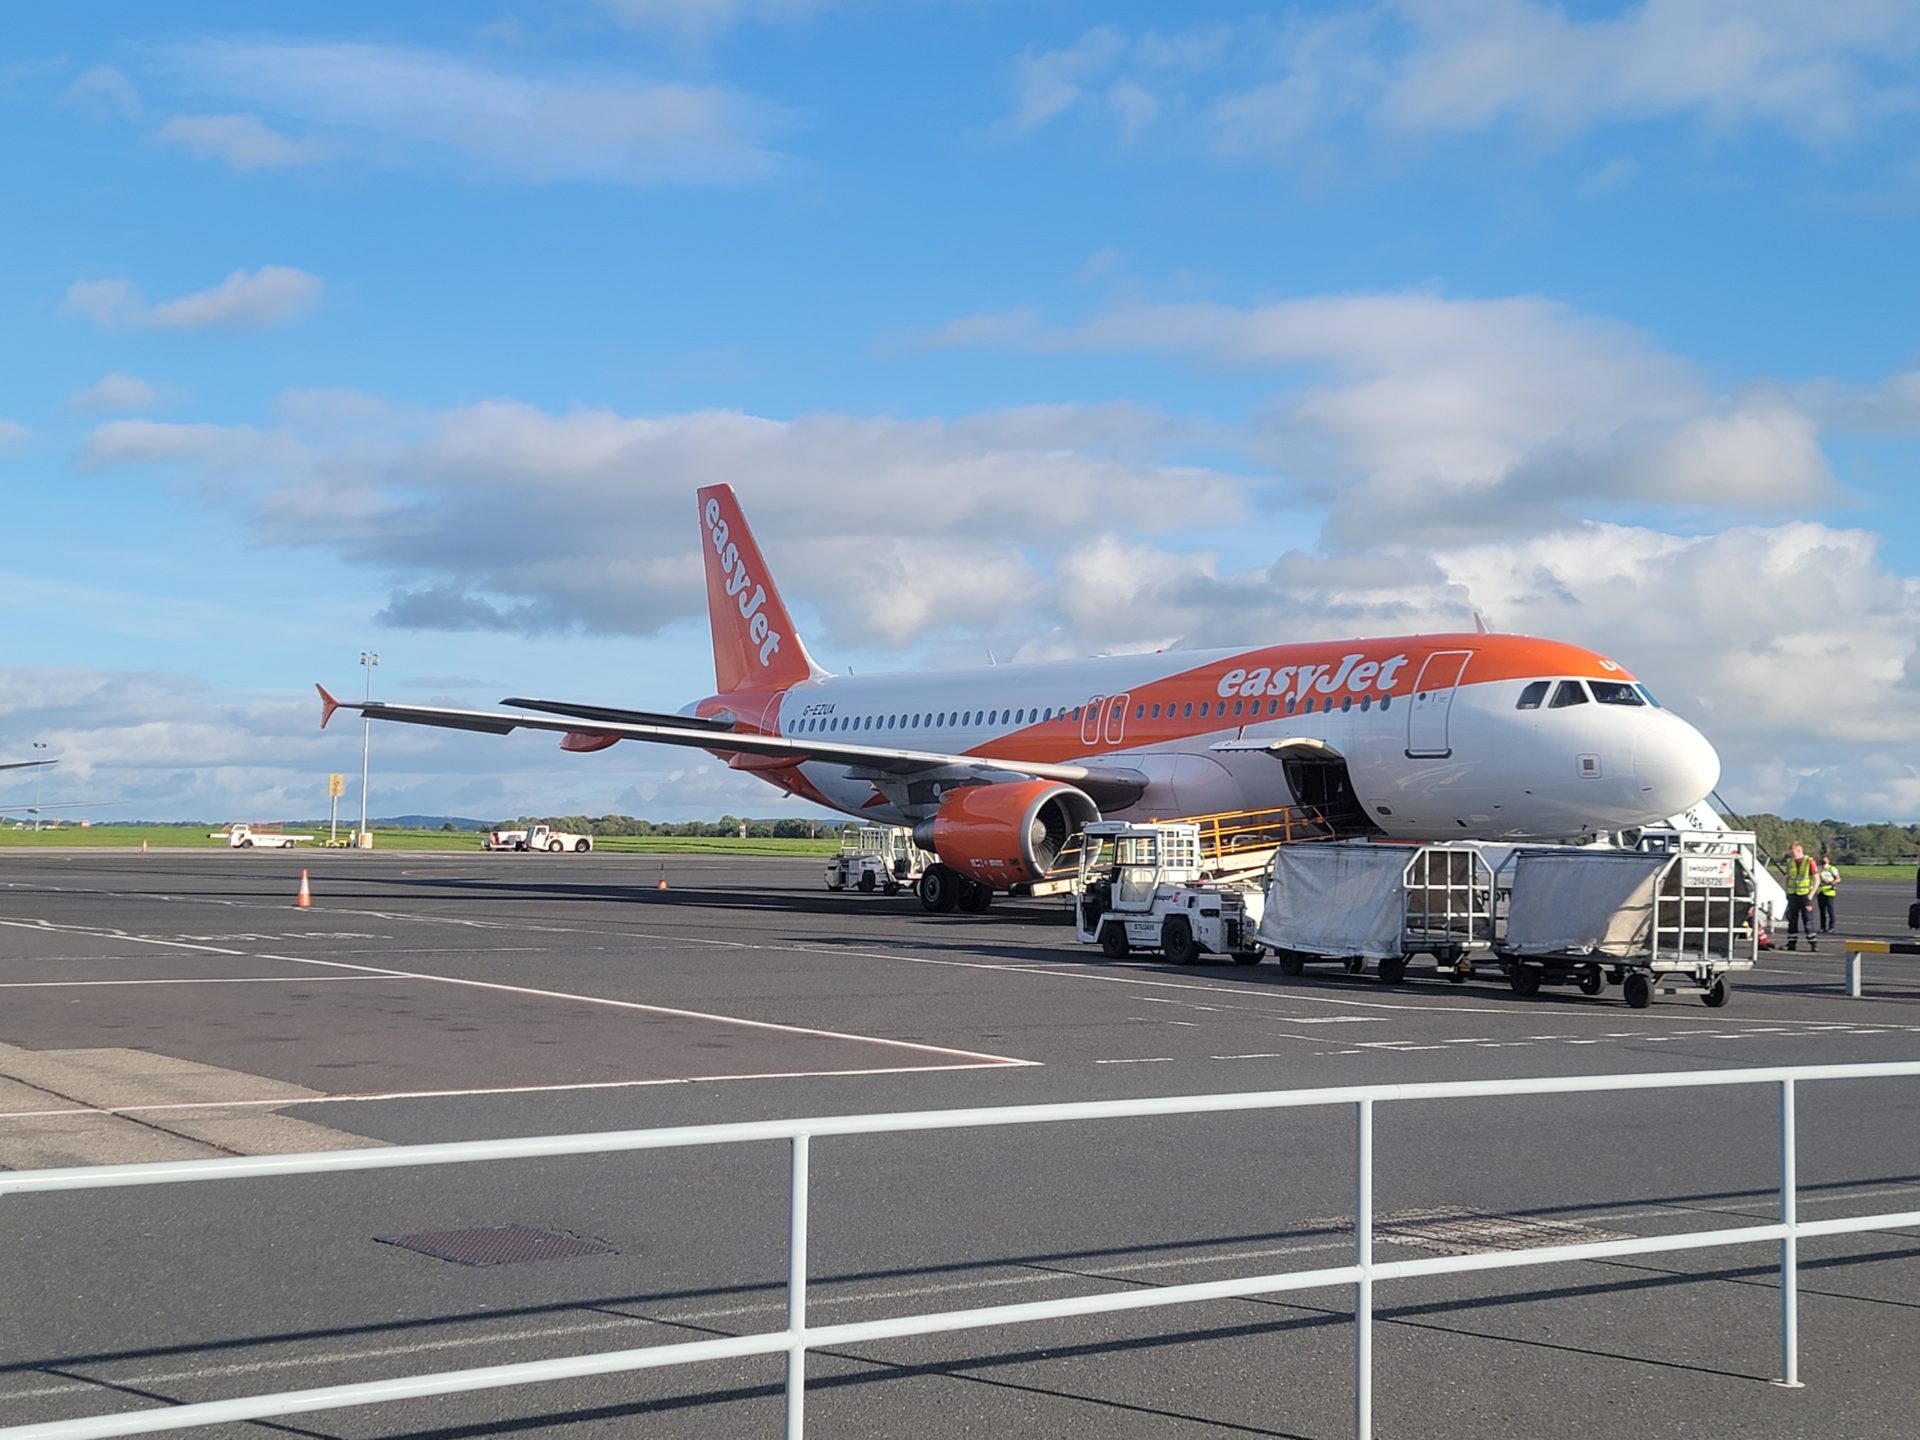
(24, 764)
(1114, 784)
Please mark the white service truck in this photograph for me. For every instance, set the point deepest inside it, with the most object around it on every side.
(504, 840)
(241, 836)
(554, 842)
(1140, 888)
(876, 857)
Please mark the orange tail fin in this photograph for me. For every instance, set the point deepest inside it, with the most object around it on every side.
(754, 644)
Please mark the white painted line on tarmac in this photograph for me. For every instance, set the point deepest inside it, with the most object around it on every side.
(232, 980)
(674, 1011)
(1142, 1060)
(358, 1099)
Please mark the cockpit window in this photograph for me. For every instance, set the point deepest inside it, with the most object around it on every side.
(1615, 692)
(1531, 697)
(1647, 695)
(1568, 692)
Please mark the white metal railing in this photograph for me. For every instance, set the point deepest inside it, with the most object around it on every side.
(799, 1337)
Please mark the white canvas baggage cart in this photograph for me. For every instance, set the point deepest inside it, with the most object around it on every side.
(1355, 901)
(1590, 917)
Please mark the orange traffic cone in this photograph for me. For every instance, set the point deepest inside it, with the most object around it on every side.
(304, 900)
(661, 883)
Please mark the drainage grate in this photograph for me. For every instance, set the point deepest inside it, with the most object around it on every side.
(1451, 1230)
(497, 1245)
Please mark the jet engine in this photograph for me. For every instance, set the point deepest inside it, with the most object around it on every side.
(1006, 833)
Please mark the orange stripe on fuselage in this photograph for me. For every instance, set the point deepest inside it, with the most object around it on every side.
(1332, 669)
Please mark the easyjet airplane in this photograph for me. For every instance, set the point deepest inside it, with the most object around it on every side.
(1413, 737)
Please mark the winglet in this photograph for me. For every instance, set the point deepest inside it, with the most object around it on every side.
(327, 705)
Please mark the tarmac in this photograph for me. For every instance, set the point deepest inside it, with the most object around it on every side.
(175, 1005)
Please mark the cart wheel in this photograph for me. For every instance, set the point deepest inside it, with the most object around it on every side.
(1356, 966)
(1249, 957)
(1393, 969)
(1591, 980)
(1177, 942)
(1524, 979)
(1639, 991)
(1456, 972)
(836, 884)
(1291, 963)
(866, 881)
(893, 887)
(1718, 993)
(1113, 942)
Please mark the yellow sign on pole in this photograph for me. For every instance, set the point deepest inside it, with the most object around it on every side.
(336, 786)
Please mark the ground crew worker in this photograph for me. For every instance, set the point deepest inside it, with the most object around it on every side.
(1828, 888)
(1803, 877)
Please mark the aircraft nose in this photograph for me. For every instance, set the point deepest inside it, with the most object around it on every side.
(1676, 765)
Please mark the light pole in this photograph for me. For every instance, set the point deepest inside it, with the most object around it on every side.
(369, 659)
(38, 771)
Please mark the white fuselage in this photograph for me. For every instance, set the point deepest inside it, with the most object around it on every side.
(1432, 750)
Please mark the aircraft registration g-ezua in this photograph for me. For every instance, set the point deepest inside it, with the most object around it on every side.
(1415, 737)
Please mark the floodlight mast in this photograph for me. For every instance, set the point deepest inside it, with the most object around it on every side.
(369, 659)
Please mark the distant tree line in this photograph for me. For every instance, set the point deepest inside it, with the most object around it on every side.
(1881, 843)
(726, 825)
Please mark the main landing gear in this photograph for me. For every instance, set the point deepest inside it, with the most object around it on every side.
(943, 890)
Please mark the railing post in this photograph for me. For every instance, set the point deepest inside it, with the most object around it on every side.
(797, 1291)
(1363, 1258)
(1789, 1244)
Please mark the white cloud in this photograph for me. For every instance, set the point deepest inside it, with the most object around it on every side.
(697, 21)
(244, 141)
(504, 516)
(1412, 70)
(1415, 414)
(103, 92)
(164, 746)
(12, 432)
(114, 392)
(245, 300)
(396, 105)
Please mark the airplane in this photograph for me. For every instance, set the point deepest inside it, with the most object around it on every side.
(1411, 737)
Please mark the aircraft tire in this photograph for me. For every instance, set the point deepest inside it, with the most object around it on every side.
(975, 898)
(939, 890)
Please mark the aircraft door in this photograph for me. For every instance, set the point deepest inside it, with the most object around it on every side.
(1117, 719)
(1432, 702)
(1090, 721)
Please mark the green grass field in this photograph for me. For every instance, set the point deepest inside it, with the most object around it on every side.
(1875, 872)
(181, 837)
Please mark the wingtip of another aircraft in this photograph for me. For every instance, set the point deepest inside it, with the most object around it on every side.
(327, 704)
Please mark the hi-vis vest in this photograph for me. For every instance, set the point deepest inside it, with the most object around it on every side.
(1800, 876)
(1829, 886)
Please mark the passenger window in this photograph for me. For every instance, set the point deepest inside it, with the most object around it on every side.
(1238, 705)
(1187, 714)
(1569, 692)
(1076, 712)
(1139, 712)
(1386, 702)
(1346, 703)
(1615, 692)
(1205, 707)
(1531, 697)
(1366, 702)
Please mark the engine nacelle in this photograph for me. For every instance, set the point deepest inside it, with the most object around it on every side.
(1007, 833)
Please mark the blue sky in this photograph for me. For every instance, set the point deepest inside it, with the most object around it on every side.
(1049, 328)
